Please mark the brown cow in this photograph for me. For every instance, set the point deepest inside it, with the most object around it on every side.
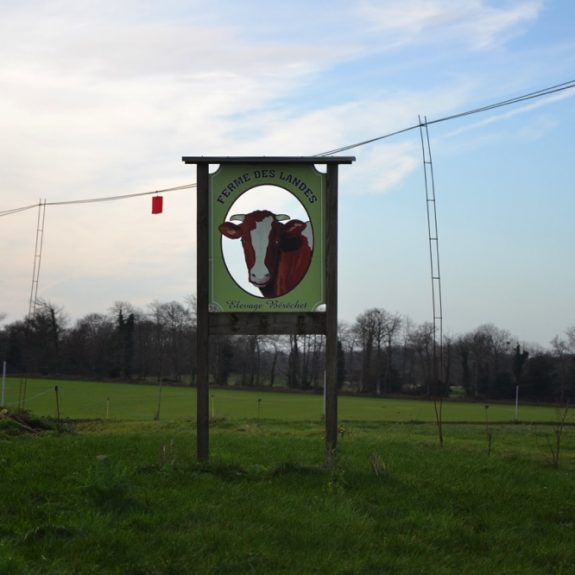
(277, 254)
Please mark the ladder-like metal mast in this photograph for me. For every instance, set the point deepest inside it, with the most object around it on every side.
(438, 372)
(37, 257)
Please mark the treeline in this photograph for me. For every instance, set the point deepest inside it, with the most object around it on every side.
(380, 353)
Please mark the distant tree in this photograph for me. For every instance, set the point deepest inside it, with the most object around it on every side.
(421, 341)
(348, 339)
(463, 354)
(391, 326)
(366, 329)
(540, 379)
(519, 360)
(89, 346)
(485, 362)
(564, 355)
(273, 345)
(376, 332)
(293, 373)
(248, 360)
(312, 361)
(407, 374)
(447, 352)
(43, 333)
(570, 332)
(222, 356)
(173, 329)
(16, 342)
(340, 365)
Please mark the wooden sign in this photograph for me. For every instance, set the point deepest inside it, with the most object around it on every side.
(262, 270)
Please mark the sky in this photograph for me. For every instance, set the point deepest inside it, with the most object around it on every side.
(103, 98)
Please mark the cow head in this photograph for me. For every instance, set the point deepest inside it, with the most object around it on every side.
(262, 235)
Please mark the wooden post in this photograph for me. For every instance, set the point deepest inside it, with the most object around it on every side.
(3, 403)
(331, 311)
(203, 335)
(57, 407)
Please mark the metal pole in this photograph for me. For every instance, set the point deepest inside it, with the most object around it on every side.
(516, 403)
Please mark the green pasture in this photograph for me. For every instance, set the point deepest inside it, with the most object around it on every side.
(126, 495)
(129, 498)
(99, 400)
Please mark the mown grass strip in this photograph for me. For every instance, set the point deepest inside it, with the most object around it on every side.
(86, 399)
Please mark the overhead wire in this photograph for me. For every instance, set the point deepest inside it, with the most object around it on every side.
(18, 210)
(120, 197)
(524, 97)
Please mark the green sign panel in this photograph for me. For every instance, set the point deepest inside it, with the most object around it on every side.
(266, 245)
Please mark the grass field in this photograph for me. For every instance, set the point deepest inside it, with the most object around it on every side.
(126, 496)
(85, 399)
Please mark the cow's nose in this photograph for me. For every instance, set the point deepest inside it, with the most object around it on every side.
(259, 279)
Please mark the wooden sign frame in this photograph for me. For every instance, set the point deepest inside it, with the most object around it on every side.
(255, 323)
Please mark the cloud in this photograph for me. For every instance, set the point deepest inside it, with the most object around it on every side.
(472, 22)
(535, 129)
(392, 162)
(103, 98)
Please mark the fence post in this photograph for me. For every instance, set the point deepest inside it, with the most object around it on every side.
(3, 404)
(57, 407)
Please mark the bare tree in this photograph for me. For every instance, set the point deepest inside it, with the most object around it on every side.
(565, 367)
(349, 340)
(173, 328)
(365, 329)
(421, 341)
(293, 374)
(89, 345)
(44, 330)
(391, 326)
(272, 344)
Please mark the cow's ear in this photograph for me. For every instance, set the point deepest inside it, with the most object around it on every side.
(230, 230)
(294, 228)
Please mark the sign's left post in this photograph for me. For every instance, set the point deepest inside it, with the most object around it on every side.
(203, 333)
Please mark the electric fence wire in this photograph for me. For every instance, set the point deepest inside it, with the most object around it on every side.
(98, 200)
(29, 399)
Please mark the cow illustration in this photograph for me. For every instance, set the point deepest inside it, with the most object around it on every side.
(277, 254)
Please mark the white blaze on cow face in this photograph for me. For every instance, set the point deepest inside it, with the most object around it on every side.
(260, 237)
(260, 232)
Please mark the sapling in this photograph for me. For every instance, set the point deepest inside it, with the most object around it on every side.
(554, 443)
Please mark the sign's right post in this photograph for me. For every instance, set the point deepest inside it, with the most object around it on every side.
(331, 206)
